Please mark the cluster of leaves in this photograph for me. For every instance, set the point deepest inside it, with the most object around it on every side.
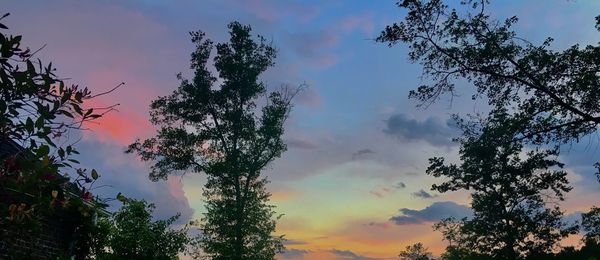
(131, 234)
(218, 129)
(37, 113)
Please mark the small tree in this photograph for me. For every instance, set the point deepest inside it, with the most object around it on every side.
(509, 190)
(215, 127)
(415, 252)
(133, 235)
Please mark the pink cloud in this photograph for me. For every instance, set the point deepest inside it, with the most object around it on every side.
(363, 23)
(271, 10)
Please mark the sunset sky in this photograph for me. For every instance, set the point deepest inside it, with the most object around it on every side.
(352, 184)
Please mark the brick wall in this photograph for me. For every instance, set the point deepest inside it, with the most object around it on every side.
(49, 242)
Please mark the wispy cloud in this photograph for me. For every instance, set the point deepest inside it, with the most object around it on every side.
(423, 194)
(432, 213)
(431, 130)
(361, 153)
(347, 254)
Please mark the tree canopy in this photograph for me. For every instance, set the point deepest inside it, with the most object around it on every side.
(218, 126)
(554, 93)
(132, 234)
(510, 188)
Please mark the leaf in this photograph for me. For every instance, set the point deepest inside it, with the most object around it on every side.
(121, 198)
(39, 123)
(46, 160)
(94, 174)
(43, 150)
(64, 112)
(29, 125)
(30, 67)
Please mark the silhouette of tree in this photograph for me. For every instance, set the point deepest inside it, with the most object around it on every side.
(510, 187)
(131, 234)
(554, 93)
(590, 221)
(415, 252)
(215, 127)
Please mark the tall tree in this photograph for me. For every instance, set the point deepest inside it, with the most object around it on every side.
(215, 127)
(510, 188)
(554, 93)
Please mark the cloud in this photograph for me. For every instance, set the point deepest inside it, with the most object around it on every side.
(363, 23)
(432, 213)
(400, 185)
(361, 152)
(309, 97)
(300, 143)
(288, 242)
(272, 10)
(377, 194)
(347, 254)
(384, 225)
(126, 174)
(423, 194)
(432, 130)
(293, 253)
(315, 47)
(573, 218)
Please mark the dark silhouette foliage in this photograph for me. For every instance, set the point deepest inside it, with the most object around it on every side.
(39, 177)
(549, 96)
(554, 93)
(132, 234)
(590, 221)
(415, 252)
(217, 128)
(510, 189)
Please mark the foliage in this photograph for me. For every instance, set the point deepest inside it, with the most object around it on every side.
(415, 252)
(131, 234)
(590, 221)
(37, 113)
(216, 127)
(554, 93)
(510, 188)
(550, 96)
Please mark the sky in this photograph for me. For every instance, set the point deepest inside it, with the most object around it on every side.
(352, 184)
